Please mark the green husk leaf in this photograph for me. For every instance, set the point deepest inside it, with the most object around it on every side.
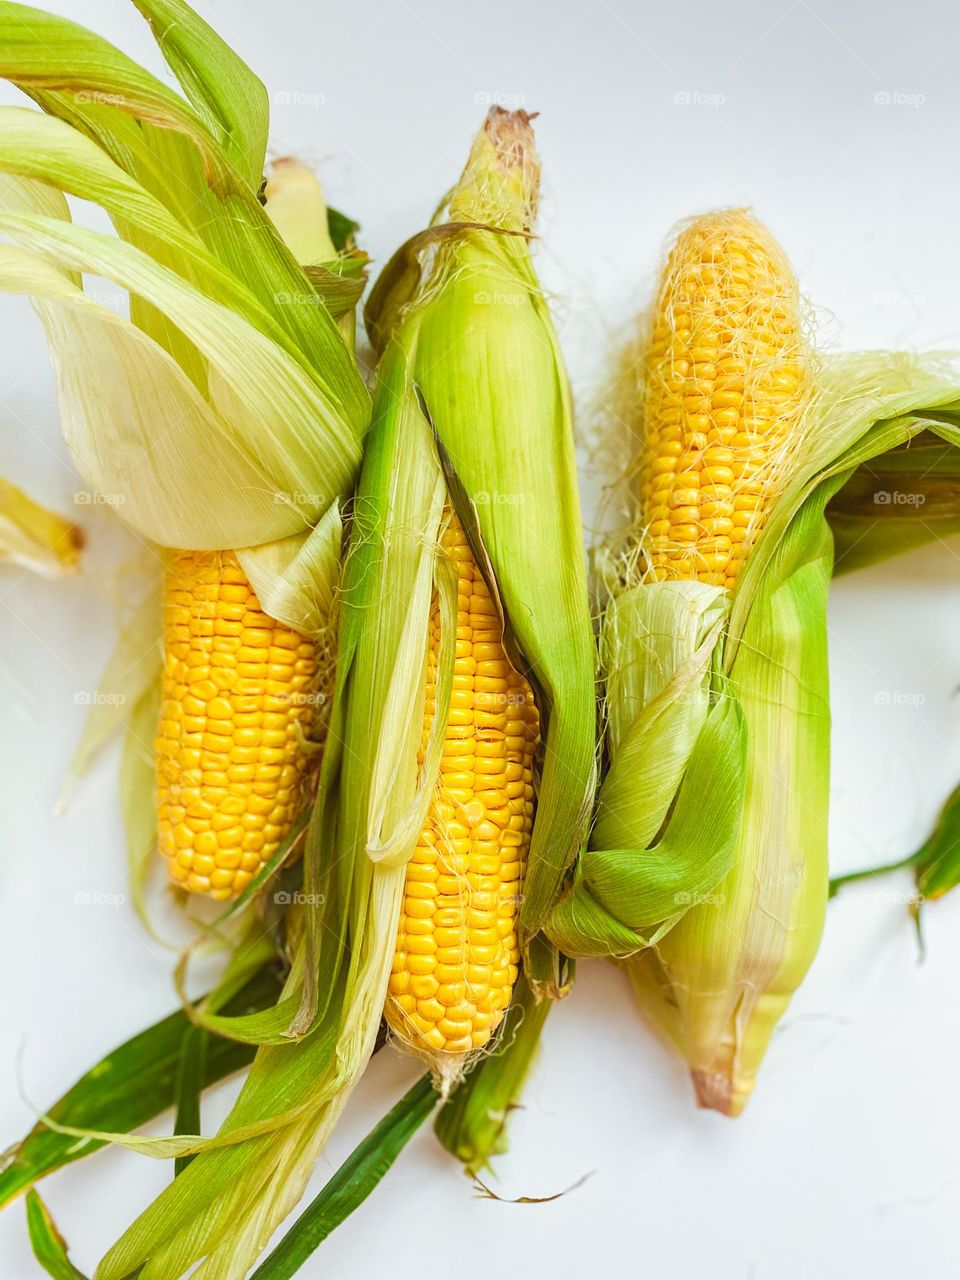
(160, 142)
(43, 148)
(49, 1246)
(134, 1083)
(351, 1184)
(191, 1075)
(623, 899)
(472, 1123)
(519, 472)
(40, 50)
(230, 100)
(896, 502)
(658, 645)
(670, 805)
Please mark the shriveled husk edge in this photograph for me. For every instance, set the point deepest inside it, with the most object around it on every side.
(718, 981)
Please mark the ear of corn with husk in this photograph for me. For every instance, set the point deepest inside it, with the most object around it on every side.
(464, 622)
(714, 647)
(223, 420)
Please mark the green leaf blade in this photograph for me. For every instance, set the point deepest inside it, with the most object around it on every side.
(351, 1184)
(49, 1246)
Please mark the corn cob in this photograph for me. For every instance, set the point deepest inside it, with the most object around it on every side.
(239, 688)
(457, 952)
(238, 698)
(726, 381)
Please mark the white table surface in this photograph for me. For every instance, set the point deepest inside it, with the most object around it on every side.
(848, 1159)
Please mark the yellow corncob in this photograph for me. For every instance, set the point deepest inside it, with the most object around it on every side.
(726, 381)
(457, 952)
(238, 697)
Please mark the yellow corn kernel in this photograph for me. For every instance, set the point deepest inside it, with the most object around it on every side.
(728, 304)
(470, 856)
(237, 808)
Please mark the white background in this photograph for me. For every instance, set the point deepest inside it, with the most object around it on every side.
(848, 1159)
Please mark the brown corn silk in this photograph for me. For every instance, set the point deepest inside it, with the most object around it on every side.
(238, 699)
(457, 952)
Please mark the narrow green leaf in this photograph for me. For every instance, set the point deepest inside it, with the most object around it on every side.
(936, 863)
(131, 1085)
(351, 1184)
(191, 1078)
(49, 1246)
